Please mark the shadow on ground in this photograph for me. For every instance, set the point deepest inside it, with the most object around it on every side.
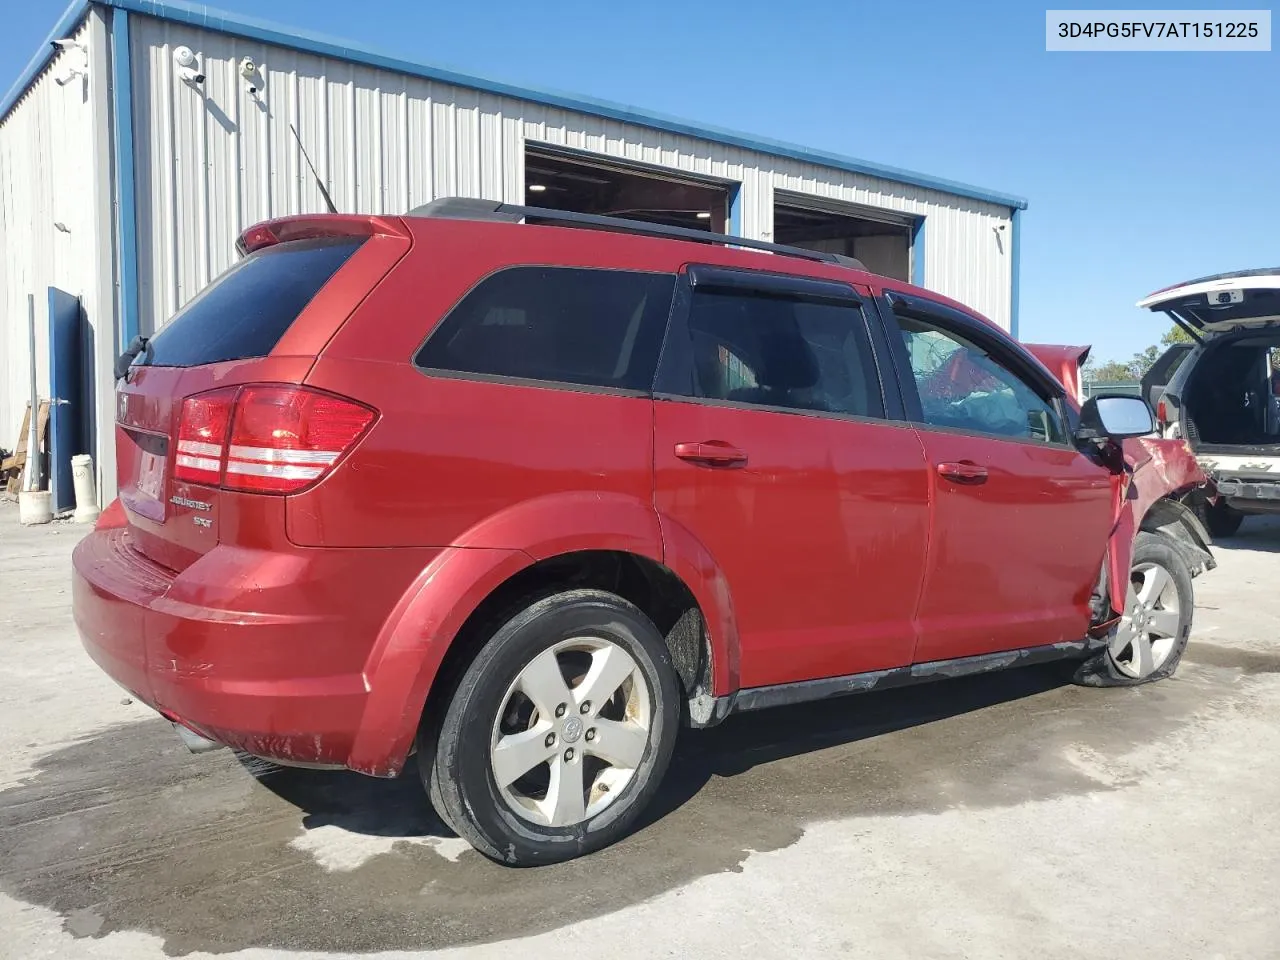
(126, 831)
(1256, 533)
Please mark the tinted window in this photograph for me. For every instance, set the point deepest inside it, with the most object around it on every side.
(246, 311)
(599, 328)
(782, 352)
(964, 387)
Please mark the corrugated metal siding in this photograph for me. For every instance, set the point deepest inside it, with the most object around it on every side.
(214, 160)
(46, 177)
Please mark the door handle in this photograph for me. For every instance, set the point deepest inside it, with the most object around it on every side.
(963, 471)
(714, 453)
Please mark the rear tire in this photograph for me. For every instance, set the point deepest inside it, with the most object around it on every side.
(558, 733)
(1148, 642)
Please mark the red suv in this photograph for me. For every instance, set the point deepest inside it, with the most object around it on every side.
(522, 491)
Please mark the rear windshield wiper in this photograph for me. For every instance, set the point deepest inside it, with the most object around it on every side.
(125, 360)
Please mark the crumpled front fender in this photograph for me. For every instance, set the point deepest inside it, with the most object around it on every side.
(1155, 474)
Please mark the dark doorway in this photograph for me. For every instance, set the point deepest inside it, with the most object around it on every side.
(880, 239)
(587, 183)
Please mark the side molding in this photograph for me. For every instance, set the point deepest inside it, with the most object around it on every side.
(761, 698)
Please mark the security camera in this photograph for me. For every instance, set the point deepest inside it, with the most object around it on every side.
(74, 64)
(188, 68)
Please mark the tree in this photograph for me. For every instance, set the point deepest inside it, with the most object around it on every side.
(1113, 371)
(1118, 371)
(1175, 335)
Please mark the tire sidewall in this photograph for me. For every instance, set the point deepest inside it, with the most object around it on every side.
(1223, 520)
(1159, 549)
(465, 736)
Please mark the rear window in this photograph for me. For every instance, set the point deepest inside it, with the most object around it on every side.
(246, 311)
(599, 328)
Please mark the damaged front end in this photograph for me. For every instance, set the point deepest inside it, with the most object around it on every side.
(1156, 482)
(1154, 479)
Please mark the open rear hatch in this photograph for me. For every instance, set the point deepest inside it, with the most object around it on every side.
(1247, 299)
(1227, 402)
(213, 403)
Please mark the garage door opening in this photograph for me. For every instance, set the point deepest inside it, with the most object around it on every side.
(585, 183)
(881, 240)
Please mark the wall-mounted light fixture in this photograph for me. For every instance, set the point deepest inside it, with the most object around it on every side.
(188, 66)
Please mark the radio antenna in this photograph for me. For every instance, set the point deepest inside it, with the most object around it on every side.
(328, 200)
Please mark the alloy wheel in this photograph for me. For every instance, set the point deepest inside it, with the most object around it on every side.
(572, 729)
(1148, 630)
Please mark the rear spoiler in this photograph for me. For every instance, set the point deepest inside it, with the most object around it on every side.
(313, 226)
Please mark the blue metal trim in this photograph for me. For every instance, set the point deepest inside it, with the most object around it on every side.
(125, 173)
(207, 18)
(917, 252)
(735, 211)
(1015, 244)
(65, 26)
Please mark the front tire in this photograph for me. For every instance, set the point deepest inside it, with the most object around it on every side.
(1222, 520)
(1148, 642)
(559, 732)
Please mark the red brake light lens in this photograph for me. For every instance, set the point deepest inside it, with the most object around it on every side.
(202, 435)
(266, 439)
(286, 438)
(257, 236)
(1162, 412)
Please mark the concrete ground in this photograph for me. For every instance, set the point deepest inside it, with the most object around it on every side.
(998, 816)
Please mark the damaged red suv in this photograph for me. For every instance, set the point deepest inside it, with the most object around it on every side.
(523, 492)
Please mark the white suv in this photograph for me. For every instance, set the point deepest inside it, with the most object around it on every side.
(1222, 391)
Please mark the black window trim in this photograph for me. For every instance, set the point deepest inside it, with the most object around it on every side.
(1007, 353)
(444, 373)
(673, 364)
(706, 277)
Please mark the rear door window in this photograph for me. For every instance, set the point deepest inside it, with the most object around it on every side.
(781, 351)
(600, 328)
(244, 313)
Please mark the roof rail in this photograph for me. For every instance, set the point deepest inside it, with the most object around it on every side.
(470, 208)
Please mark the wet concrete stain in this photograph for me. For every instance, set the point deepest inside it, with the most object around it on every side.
(1249, 662)
(127, 831)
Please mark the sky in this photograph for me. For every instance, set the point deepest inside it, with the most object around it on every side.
(1141, 169)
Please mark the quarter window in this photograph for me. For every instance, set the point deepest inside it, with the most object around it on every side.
(599, 328)
(963, 387)
(782, 352)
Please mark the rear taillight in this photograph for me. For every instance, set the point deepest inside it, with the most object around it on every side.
(264, 438)
(202, 436)
(286, 438)
(1162, 412)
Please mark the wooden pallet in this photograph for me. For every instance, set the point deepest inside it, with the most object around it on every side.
(11, 468)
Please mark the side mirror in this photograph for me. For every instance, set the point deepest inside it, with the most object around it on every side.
(1115, 417)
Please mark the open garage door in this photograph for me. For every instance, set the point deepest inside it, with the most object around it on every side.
(881, 239)
(589, 183)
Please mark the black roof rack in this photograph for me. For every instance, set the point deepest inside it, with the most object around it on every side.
(469, 208)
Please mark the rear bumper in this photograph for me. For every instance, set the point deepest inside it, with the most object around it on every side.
(258, 650)
(1249, 494)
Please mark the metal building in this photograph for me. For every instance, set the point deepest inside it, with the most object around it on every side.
(146, 135)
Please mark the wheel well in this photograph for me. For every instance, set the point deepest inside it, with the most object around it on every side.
(655, 590)
(1179, 523)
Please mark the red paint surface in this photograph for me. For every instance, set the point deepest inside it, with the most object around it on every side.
(310, 627)
(1063, 362)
